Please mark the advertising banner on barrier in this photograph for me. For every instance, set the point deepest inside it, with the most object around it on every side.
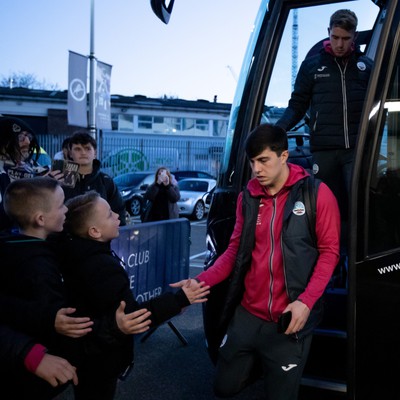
(155, 255)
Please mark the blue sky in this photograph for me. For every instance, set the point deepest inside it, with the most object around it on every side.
(187, 58)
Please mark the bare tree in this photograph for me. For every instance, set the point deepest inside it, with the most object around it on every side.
(25, 80)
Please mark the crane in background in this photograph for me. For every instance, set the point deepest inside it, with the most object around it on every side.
(295, 40)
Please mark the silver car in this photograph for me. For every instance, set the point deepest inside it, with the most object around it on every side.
(194, 192)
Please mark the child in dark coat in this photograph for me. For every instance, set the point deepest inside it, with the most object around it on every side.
(96, 284)
(32, 297)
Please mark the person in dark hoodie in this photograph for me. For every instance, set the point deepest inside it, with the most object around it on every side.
(277, 264)
(32, 298)
(331, 87)
(82, 150)
(32, 295)
(96, 284)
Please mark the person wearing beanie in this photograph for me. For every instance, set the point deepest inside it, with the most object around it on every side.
(19, 150)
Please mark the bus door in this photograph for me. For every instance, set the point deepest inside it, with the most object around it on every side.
(374, 282)
(285, 33)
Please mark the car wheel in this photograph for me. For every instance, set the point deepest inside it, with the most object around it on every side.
(198, 211)
(135, 207)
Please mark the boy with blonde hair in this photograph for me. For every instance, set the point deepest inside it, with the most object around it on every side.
(31, 288)
(97, 283)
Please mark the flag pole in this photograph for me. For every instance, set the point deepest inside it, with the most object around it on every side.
(92, 77)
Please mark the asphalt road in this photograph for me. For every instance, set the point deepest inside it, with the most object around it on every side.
(167, 369)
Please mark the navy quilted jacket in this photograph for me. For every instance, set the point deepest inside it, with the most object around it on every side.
(333, 91)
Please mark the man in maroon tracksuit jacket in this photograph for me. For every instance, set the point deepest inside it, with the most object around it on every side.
(280, 266)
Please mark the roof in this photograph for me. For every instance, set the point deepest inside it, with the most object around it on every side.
(136, 101)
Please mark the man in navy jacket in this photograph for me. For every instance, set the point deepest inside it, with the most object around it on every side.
(331, 86)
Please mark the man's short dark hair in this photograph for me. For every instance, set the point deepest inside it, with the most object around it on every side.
(23, 197)
(345, 19)
(65, 143)
(266, 136)
(82, 138)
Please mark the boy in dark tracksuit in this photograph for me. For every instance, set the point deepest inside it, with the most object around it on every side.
(31, 288)
(96, 283)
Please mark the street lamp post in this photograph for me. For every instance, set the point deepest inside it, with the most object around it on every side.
(92, 77)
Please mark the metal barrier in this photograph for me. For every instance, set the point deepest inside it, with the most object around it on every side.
(155, 254)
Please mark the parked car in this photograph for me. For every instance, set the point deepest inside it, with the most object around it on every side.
(132, 187)
(194, 192)
(179, 175)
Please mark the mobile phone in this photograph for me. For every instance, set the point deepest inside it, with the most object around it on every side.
(284, 321)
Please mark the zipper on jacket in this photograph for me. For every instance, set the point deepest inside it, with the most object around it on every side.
(315, 122)
(284, 266)
(344, 94)
(271, 256)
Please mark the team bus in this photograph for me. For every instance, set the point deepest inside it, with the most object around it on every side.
(356, 349)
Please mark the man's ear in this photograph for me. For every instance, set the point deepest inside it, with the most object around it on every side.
(94, 233)
(285, 156)
(38, 219)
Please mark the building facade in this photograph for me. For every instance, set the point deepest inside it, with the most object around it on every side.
(179, 134)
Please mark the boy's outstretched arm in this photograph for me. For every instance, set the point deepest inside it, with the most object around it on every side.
(195, 291)
(133, 323)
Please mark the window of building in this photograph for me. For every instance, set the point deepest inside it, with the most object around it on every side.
(220, 127)
(202, 124)
(145, 122)
(125, 122)
(174, 125)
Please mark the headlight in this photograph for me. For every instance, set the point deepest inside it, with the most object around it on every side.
(125, 193)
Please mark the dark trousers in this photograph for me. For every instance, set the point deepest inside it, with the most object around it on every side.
(251, 342)
(335, 168)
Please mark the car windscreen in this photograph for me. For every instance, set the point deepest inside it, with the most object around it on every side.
(193, 186)
(129, 179)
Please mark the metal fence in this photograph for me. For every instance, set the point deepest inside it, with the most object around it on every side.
(127, 152)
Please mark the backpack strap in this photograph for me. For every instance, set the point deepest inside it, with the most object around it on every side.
(310, 190)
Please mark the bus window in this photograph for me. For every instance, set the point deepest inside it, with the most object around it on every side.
(384, 192)
(246, 65)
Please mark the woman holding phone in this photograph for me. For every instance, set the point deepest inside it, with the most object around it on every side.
(162, 196)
